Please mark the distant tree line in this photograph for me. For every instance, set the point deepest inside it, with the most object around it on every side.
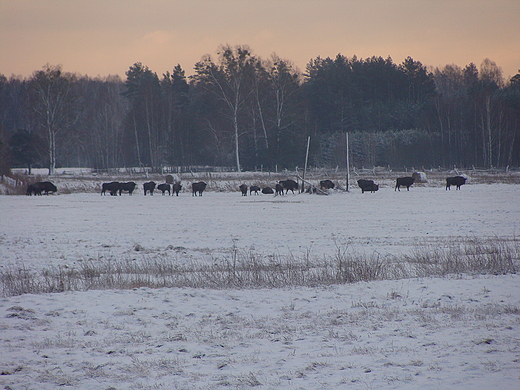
(240, 110)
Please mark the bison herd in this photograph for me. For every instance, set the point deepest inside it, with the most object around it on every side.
(149, 187)
(114, 188)
(278, 188)
(365, 185)
(42, 186)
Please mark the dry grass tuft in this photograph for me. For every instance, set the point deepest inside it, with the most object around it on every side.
(246, 269)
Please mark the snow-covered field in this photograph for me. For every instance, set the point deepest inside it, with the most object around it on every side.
(457, 332)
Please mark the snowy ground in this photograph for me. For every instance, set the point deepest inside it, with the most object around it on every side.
(455, 333)
(65, 229)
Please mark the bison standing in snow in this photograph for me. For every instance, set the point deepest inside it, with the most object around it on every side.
(405, 182)
(455, 181)
(164, 187)
(112, 187)
(254, 189)
(36, 189)
(198, 188)
(149, 187)
(278, 189)
(367, 185)
(48, 187)
(243, 189)
(176, 187)
(289, 185)
(129, 186)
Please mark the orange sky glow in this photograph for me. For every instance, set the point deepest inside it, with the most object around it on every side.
(101, 38)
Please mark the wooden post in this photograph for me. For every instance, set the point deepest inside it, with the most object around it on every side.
(347, 158)
(306, 159)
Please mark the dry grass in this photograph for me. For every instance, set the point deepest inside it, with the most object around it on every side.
(246, 269)
(472, 256)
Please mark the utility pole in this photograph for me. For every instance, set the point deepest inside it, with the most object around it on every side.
(306, 159)
(348, 164)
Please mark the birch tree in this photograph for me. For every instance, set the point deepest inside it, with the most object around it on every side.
(53, 105)
(230, 81)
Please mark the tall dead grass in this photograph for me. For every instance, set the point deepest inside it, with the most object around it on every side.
(246, 269)
(492, 256)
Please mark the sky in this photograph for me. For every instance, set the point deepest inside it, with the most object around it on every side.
(101, 38)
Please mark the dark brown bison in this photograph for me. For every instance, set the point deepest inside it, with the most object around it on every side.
(367, 185)
(48, 187)
(176, 188)
(254, 189)
(129, 187)
(36, 189)
(198, 188)
(267, 190)
(243, 189)
(326, 184)
(289, 185)
(278, 189)
(112, 187)
(455, 181)
(149, 187)
(405, 182)
(164, 187)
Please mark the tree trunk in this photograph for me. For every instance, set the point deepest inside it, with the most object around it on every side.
(488, 128)
(235, 125)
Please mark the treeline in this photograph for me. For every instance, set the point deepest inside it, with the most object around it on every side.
(244, 111)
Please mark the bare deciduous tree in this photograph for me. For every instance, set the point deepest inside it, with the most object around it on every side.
(53, 104)
(230, 81)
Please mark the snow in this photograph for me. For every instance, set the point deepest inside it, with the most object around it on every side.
(456, 332)
(53, 230)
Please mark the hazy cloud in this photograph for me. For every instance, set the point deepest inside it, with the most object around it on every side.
(106, 37)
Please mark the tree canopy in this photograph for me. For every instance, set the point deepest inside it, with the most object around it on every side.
(239, 110)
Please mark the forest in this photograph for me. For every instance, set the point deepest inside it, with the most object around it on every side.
(243, 112)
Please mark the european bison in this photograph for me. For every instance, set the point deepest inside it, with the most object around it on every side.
(36, 189)
(149, 187)
(326, 185)
(48, 187)
(112, 187)
(267, 190)
(198, 188)
(164, 187)
(455, 181)
(176, 187)
(254, 189)
(367, 185)
(278, 189)
(129, 186)
(243, 189)
(289, 185)
(405, 182)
